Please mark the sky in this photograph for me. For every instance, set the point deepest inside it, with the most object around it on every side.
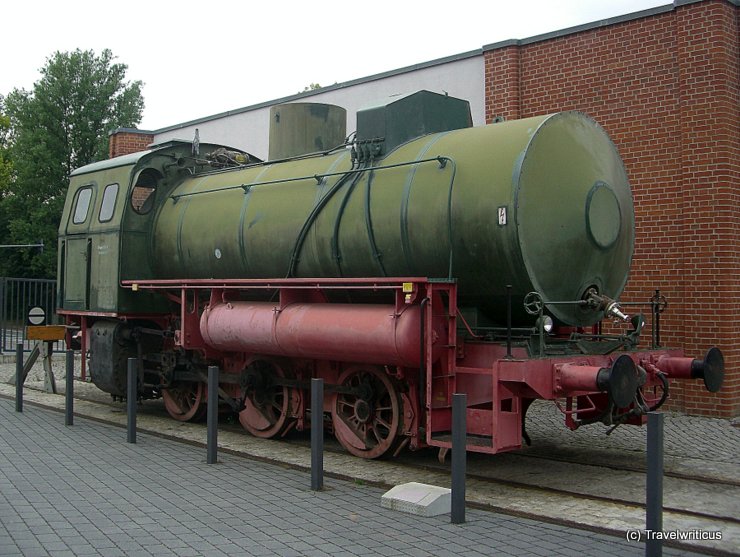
(197, 59)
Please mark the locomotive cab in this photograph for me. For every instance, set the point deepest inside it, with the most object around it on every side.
(89, 235)
(103, 233)
(103, 238)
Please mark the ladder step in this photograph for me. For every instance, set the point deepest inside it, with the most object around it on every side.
(471, 440)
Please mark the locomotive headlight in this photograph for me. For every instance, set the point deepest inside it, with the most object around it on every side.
(545, 323)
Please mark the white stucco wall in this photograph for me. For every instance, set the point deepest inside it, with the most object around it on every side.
(461, 76)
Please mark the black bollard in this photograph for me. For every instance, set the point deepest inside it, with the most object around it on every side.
(317, 434)
(654, 487)
(212, 416)
(459, 454)
(19, 377)
(131, 396)
(69, 389)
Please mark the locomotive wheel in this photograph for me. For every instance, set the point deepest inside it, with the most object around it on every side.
(268, 408)
(185, 401)
(367, 421)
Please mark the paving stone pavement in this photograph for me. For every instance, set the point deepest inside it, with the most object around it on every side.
(83, 491)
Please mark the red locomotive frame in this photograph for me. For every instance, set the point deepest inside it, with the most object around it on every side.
(390, 368)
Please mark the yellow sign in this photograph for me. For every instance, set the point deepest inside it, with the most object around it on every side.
(45, 332)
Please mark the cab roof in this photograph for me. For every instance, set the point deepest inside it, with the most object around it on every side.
(134, 158)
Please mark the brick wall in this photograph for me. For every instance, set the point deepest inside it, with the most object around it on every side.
(665, 87)
(124, 141)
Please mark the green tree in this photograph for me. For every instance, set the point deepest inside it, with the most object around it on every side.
(60, 125)
(6, 169)
(5, 166)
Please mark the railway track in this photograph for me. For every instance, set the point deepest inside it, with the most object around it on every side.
(689, 496)
(590, 474)
(628, 467)
(686, 495)
(612, 494)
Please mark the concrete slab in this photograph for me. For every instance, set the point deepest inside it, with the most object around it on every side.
(418, 499)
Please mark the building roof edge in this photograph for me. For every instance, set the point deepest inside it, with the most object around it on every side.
(597, 24)
(580, 28)
(334, 87)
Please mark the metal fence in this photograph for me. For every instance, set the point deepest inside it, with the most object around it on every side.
(17, 297)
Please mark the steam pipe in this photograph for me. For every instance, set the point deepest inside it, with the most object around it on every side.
(366, 333)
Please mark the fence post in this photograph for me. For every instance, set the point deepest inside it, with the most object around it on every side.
(3, 304)
(459, 441)
(654, 485)
(212, 417)
(69, 391)
(19, 377)
(131, 396)
(317, 434)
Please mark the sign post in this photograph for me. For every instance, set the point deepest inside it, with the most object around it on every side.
(45, 336)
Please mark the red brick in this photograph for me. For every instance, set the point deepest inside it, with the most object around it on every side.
(124, 142)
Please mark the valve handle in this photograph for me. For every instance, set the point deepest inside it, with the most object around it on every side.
(533, 303)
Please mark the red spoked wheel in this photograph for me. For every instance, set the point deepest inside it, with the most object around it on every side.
(367, 421)
(185, 401)
(269, 407)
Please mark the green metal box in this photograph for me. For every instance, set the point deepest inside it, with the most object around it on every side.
(410, 116)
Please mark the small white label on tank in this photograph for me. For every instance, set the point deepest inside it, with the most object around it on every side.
(502, 216)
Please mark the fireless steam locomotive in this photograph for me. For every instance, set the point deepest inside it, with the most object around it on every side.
(418, 258)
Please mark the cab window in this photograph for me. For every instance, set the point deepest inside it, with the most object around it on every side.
(82, 206)
(108, 205)
(142, 194)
